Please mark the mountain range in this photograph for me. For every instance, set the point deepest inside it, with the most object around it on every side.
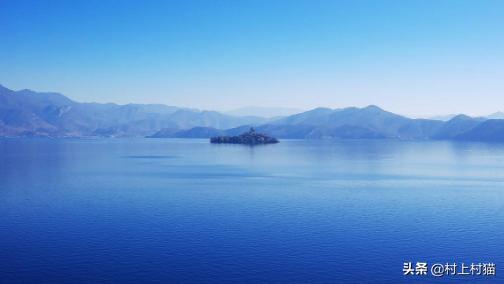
(369, 122)
(29, 113)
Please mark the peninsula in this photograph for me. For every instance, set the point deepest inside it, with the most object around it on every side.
(250, 138)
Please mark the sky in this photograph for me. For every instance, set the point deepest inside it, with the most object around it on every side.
(418, 58)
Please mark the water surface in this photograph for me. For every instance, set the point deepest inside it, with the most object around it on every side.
(169, 210)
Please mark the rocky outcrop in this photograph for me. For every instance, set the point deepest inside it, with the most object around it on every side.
(250, 138)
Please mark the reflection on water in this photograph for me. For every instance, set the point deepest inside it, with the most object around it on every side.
(174, 210)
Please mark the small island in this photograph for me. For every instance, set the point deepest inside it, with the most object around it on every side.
(249, 138)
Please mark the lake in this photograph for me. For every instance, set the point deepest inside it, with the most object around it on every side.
(175, 210)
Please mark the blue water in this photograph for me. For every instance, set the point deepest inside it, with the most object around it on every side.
(171, 211)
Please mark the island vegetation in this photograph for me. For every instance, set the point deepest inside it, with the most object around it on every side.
(250, 138)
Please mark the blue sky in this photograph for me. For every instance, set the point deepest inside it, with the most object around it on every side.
(411, 57)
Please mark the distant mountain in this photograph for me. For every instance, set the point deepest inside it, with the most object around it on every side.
(491, 130)
(268, 112)
(497, 115)
(30, 113)
(368, 122)
(195, 132)
(443, 117)
(457, 126)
